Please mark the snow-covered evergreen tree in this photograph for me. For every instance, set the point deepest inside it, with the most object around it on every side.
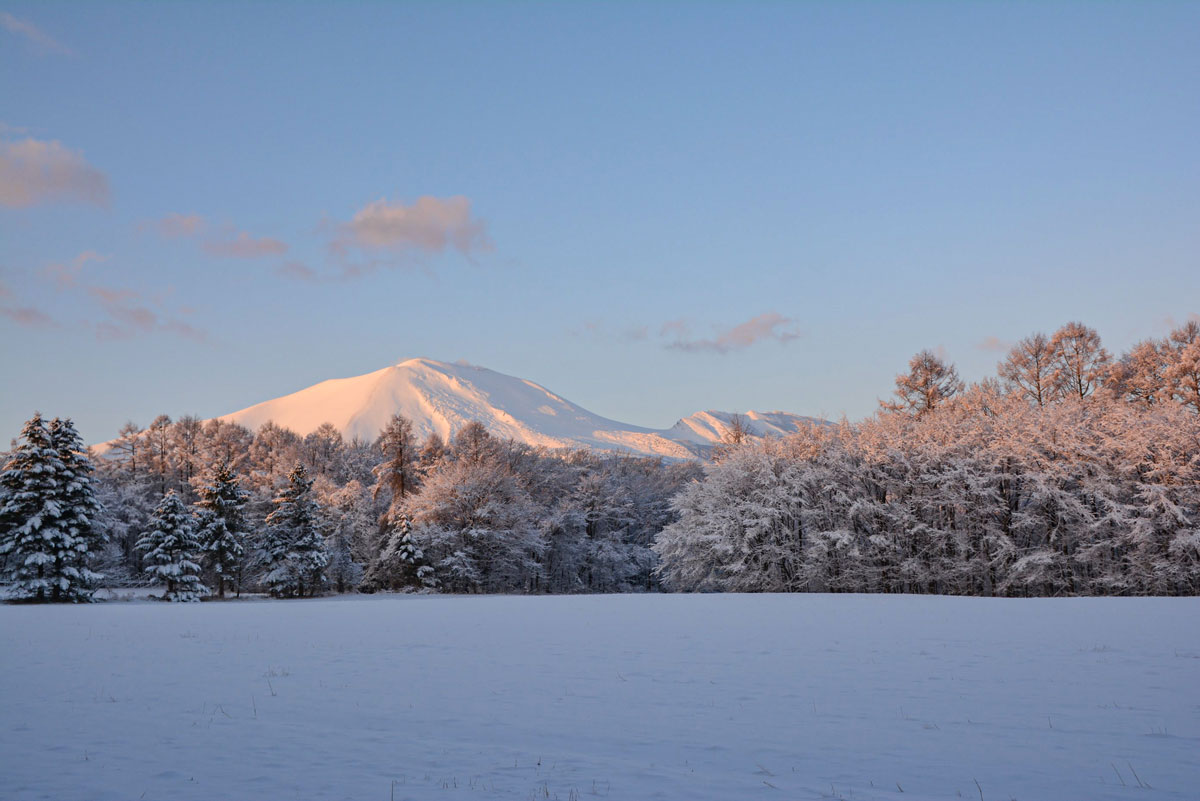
(173, 550)
(221, 526)
(295, 548)
(400, 558)
(47, 531)
(77, 493)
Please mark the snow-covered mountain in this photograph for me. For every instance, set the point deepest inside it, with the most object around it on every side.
(440, 397)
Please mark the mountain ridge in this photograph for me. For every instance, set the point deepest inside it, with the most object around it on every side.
(441, 397)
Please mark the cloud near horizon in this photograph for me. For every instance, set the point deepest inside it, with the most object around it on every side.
(34, 171)
(430, 225)
(994, 344)
(770, 326)
(34, 35)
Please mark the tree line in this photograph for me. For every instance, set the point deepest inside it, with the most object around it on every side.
(206, 508)
(1069, 472)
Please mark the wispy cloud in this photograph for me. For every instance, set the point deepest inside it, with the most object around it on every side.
(35, 171)
(993, 343)
(678, 328)
(245, 246)
(638, 333)
(767, 327)
(34, 35)
(176, 226)
(430, 225)
(27, 316)
(66, 274)
(297, 270)
(1170, 322)
(131, 317)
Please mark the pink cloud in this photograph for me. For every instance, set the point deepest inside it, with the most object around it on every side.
(33, 171)
(678, 327)
(771, 326)
(244, 246)
(430, 225)
(34, 35)
(27, 316)
(638, 333)
(130, 317)
(109, 297)
(992, 343)
(297, 270)
(66, 274)
(177, 226)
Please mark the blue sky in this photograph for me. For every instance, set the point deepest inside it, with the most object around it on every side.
(649, 209)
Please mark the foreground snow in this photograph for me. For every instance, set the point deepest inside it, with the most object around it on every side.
(621, 697)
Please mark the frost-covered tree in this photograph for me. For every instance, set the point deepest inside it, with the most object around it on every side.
(477, 526)
(433, 449)
(394, 475)
(79, 506)
(929, 381)
(222, 528)
(173, 550)
(1029, 368)
(159, 451)
(295, 552)
(1080, 361)
(1140, 375)
(47, 513)
(323, 450)
(272, 450)
(1182, 372)
(399, 560)
(350, 522)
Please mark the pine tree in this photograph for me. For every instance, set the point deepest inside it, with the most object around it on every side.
(46, 530)
(222, 526)
(172, 550)
(77, 501)
(295, 550)
(400, 558)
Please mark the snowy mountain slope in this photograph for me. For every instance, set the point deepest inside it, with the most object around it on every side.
(441, 397)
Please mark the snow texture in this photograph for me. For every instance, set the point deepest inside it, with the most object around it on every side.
(441, 398)
(622, 697)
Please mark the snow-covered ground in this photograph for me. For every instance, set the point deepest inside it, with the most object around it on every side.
(621, 697)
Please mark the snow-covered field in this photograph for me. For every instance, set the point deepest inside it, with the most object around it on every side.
(620, 697)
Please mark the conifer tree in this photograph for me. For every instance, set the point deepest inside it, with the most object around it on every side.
(400, 558)
(46, 530)
(78, 505)
(295, 550)
(222, 526)
(172, 550)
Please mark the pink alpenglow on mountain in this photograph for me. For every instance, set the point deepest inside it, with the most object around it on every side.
(441, 398)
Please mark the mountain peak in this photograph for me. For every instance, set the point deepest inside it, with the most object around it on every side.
(440, 397)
